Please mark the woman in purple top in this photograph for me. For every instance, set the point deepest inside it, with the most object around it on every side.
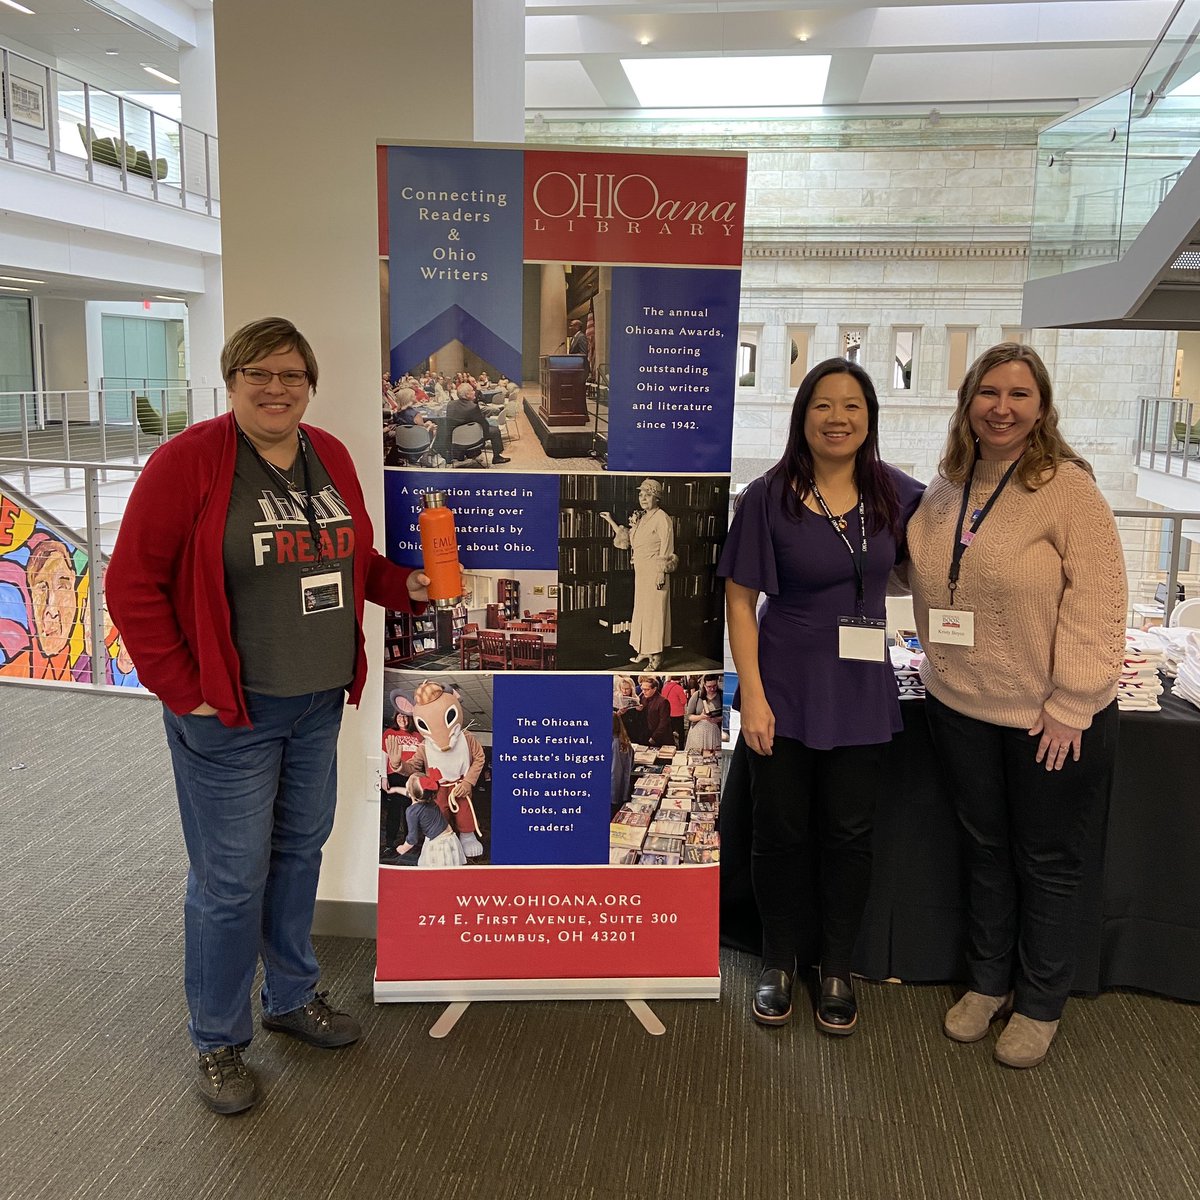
(819, 534)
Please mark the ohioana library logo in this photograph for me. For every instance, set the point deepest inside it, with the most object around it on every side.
(633, 204)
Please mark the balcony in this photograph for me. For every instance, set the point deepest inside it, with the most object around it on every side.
(1115, 242)
(72, 129)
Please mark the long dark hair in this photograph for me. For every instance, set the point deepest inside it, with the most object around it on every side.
(871, 477)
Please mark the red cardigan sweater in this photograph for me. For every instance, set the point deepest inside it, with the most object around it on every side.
(166, 580)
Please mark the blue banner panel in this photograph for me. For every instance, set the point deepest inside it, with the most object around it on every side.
(674, 355)
(503, 521)
(454, 219)
(551, 752)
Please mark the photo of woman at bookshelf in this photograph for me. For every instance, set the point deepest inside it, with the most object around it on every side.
(650, 538)
(703, 716)
(818, 534)
(1024, 715)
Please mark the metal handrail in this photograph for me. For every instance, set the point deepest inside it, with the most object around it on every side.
(107, 118)
(47, 421)
(1155, 446)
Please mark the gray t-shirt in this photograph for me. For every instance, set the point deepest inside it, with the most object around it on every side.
(293, 617)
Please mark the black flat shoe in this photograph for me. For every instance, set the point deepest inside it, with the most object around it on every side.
(837, 1010)
(773, 998)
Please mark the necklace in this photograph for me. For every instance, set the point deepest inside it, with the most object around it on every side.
(288, 477)
(838, 521)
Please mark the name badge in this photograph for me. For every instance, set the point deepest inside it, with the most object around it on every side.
(320, 593)
(952, 627)
(861, 639)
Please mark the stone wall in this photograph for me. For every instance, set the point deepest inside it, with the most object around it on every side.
(877, 223)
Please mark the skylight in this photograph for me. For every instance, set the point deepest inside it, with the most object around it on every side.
(780, 81)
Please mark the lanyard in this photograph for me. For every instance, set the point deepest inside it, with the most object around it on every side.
(963, 538)
(305, 498)
(857, 557)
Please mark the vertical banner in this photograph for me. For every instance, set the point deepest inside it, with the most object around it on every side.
(560, 333)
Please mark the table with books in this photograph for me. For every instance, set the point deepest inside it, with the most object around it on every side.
(1140, 910)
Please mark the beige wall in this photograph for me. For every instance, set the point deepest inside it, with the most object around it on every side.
(304, 89)
(64, 334)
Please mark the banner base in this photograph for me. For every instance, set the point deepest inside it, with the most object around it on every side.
(414, 991)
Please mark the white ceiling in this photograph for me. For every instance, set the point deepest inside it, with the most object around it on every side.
(904, 54)
(1043, 53)
(78, 34)
(996, 55)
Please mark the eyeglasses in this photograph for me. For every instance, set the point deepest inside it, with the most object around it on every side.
(260, 376)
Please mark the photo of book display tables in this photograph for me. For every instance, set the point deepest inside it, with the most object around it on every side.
(670, 816)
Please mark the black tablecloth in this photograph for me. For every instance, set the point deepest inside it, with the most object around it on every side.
(1140, 908)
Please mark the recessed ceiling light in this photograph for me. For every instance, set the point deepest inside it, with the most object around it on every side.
(802, 37)
(112, 53)
(779, 81)
(645, 40)
(18, 279)
(19, 7)
(159, 74)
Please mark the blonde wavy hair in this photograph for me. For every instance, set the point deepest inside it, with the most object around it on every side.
(1045, 450)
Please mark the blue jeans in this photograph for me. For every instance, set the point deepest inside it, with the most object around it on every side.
(257, 806)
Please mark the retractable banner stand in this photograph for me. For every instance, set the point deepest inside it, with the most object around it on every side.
(574, 312)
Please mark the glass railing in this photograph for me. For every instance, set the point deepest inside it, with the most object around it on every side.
(73, 128)
(1103, 171)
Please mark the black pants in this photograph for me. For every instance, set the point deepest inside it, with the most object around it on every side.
(395, 805)
(812, 807)
(1024, 830)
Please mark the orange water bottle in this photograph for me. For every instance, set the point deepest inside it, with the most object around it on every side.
(439, 551)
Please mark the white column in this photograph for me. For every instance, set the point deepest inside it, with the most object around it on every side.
(499, 70)
(206, 336)
(300, 238)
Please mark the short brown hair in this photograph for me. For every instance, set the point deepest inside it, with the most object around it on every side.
(1046, 449)
(263, 337)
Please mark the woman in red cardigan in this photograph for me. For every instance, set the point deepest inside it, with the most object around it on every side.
(238, 581)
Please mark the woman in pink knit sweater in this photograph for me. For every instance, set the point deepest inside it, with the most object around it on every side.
(1019, 591)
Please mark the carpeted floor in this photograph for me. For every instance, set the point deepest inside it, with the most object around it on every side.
(568, 1101)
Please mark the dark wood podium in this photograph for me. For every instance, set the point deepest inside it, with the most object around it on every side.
(563, 383)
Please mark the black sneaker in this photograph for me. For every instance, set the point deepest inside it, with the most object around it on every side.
(224, 1081)
(499, 458)
(317, 1024)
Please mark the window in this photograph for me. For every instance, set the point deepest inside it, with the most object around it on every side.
(851, 339)
(799, 341)
(747, 357)
(904, 357)
(959, 352)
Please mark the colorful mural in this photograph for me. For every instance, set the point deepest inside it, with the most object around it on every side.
(44, 586)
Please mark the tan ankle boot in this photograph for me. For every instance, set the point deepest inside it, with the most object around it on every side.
(970, 1018)
(1024, 1042)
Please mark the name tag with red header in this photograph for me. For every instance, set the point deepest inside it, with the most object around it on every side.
(952, 627)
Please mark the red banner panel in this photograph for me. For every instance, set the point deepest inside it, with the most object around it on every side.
(547, 922)
(584, 207)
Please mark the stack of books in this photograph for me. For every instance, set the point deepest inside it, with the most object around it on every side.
(906, 663)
